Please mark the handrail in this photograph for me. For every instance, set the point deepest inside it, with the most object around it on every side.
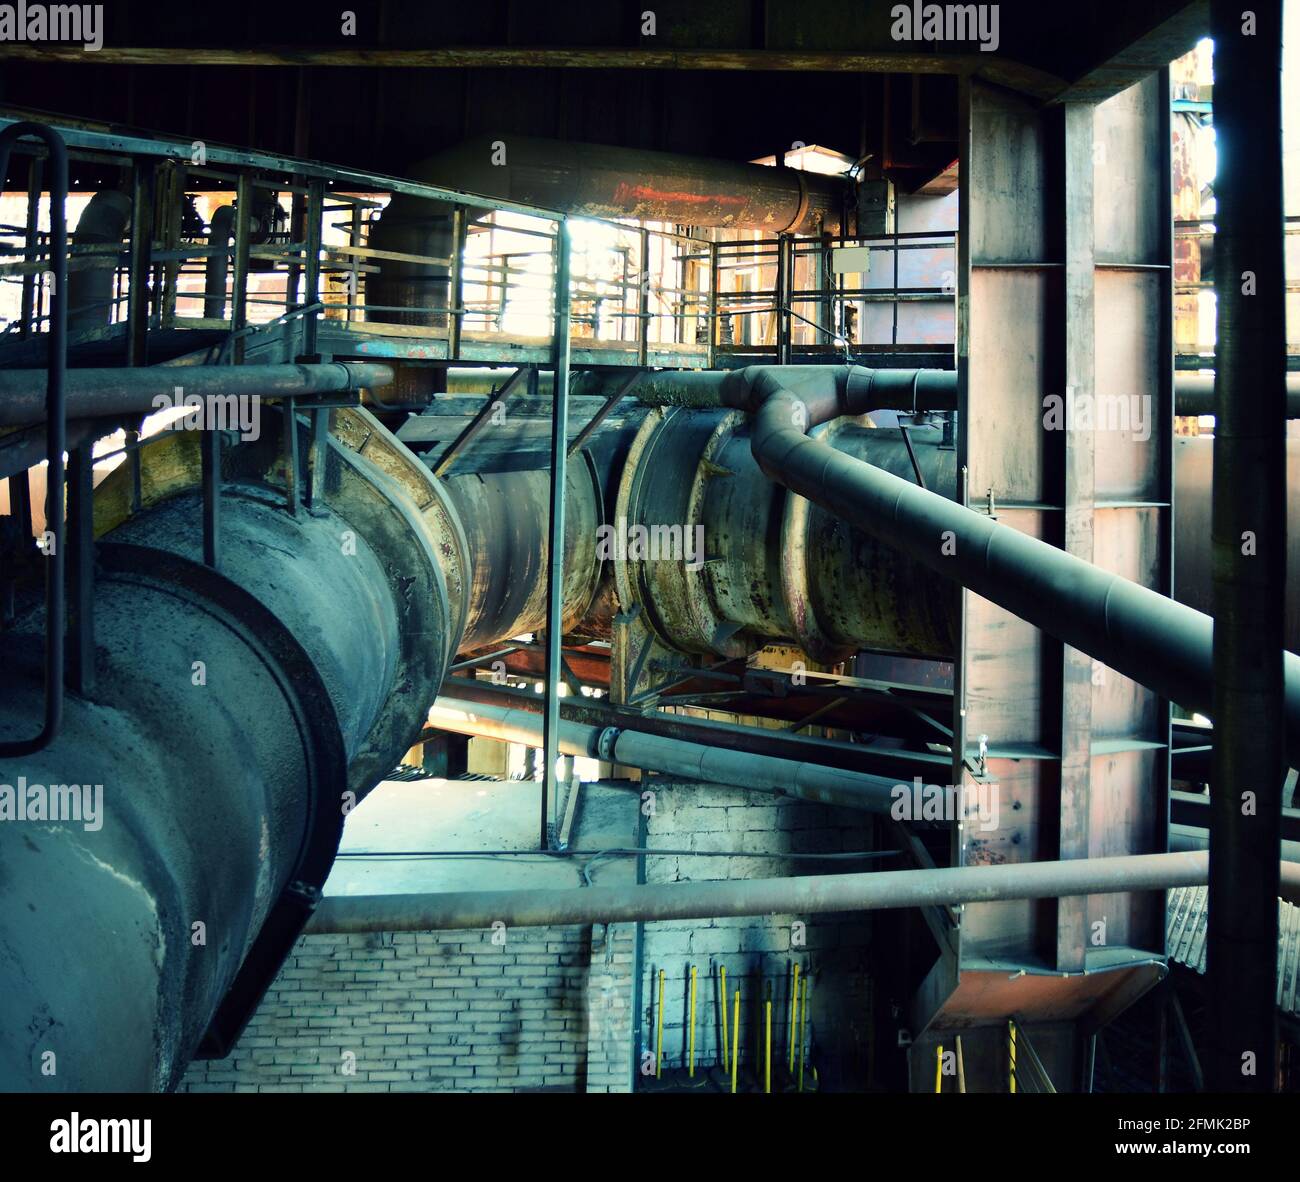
(55, 432)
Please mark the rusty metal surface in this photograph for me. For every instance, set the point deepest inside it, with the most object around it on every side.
(603, 181)
(504, 516)
(774, 567)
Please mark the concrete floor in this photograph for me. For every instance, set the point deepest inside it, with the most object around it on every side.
(475, 815)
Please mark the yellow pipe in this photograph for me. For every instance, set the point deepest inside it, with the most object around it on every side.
(735, 1050)
(794, 1013)
(725, 1060)
(938, 1068)
(767, 1050)
(659, 1049)
(1011, 1031)
(803, 1022)
(690, 1070)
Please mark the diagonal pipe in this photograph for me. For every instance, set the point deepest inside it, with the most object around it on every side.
(1144, 635)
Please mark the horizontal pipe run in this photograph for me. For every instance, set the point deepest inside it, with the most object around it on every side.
(901, 389)
(736, 769)
(1194, 394)
(810, 894)
(1130, 628)
(93, 393)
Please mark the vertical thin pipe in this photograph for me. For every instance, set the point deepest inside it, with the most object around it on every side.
(803, 1023)
(1011, 1062)
(659, 1038)
(794, 1013)
(735, 1034)
(767, 1046)
(725, 1060)
(555, 554)
(1249, 548)
(690, 1070)
(938, 1068)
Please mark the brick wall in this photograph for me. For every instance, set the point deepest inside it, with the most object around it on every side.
(444, 1011)
(758, 951)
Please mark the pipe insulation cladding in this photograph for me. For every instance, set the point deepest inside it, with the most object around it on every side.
(161, 856)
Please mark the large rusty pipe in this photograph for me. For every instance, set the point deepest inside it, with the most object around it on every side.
(601, 180)
(95, 393)
(800, 895)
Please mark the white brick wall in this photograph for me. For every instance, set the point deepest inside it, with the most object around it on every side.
(444, 1011)
(757, 951)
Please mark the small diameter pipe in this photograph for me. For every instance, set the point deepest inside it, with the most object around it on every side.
(735, 1050)
(738, 769)
(816, 894)
(767, 1046)
(794, 1013)
(723, 990)
(93, 393)
(691, 1067)
(803, 1022)
(659, 1041)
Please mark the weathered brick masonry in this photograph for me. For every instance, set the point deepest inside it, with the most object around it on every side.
(444, 1011)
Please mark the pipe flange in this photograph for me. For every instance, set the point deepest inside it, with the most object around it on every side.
(606, 742)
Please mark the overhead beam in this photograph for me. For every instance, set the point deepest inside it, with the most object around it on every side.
(1020, 77)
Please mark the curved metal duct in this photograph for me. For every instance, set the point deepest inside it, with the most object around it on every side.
(505, 517)
(90, 290)
(771, 566)
(235, 716)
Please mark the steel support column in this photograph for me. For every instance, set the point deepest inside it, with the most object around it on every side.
(1249, 549)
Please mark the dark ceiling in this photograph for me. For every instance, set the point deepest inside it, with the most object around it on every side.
(728, 78)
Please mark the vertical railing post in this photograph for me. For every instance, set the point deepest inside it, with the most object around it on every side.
(314, 232)
(239, 292)
(31, 245)
(643, 303)
(456, 282)
(555, 550)
(141, 264)
(713, 304)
